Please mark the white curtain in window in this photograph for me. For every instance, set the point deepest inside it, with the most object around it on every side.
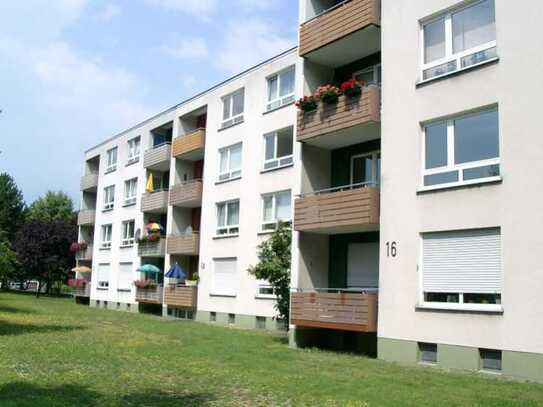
(474, 26)
(268, 208)
(233, 213)
(282, 202)
(434, 40)
(287, 83)
(237, 107)
(235, 157)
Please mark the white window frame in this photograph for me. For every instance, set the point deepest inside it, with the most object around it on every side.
(451, 166)
(231, 120)
(231, 230)
(126, 239)
(264, 285)
(280, 101)
(134, 150)
(450, 56)
(106, 244)
(375, 70)
(111, 159)
(275, 221)
(103, 284)
(278, 162)
(109, 197)
(231, 173)
(374, 156)
(132, 198)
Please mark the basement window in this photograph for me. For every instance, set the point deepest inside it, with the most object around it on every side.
(490, 359)
(427, 352)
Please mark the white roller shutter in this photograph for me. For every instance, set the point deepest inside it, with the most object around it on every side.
(467, 261)
(363, 265)
(125, 277)
(103, 274)
(225, 280)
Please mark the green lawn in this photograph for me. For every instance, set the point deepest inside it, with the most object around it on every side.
(56, 353)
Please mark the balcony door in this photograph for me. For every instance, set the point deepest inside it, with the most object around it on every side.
(363, 265)
(366, 168)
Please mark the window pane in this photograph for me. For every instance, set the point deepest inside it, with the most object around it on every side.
(428, 352)
(436, 145)
(221, 214)
(434, 40)
(474, 26)
(362, 169)
(284, 143)
(476, 137)
(268, 208)
(439, 70)
(442, 178)
(378, 175)
(235, 157)
(287, 83)
(233, 213)
(226, 107)
(237, 107)
(478, 57)
(282, 205)
(441, 297)
(482, 172)
(365, 77)
(270, 147)
(272, 87)
(224, 161)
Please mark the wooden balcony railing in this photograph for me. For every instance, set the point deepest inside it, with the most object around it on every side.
(86, 217)
(158, 157)
(89, 182)
(332, 120)
(338, 22)
(190, 146)
(352, 208)
(186, 244)
(155, 202)
(346, 311)
(187, 194)
(152, 249)
(180, 295)
(152, 295)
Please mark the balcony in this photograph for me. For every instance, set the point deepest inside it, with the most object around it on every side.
(346, 311)
(152, 248)
(158, 158)
(86, 217)
(84, 254)
(83, 291)
(187, 194)
(89, 182)
(180, 295)
(155, 202)
(342, 34)
(151, 295)
(350, 121)
(349, 209)
(187, 245)
(190, 146)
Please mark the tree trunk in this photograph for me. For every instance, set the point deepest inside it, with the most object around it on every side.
(39, 289)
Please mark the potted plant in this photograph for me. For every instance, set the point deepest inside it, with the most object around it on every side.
(145, 284)
(329, 94)
(307, 103)
(351, 88)
(193, 280)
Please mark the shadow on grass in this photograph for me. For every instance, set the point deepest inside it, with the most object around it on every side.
(27, 394)
(10, 328)
(15, 310)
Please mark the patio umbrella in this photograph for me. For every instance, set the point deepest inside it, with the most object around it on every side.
(148, 268)
(154, 227)
(82, 269)
(149, 187)
(176, 272)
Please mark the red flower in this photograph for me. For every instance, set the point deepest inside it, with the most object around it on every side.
(350, 84)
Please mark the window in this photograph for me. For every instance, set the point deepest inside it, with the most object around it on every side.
(130, 191)
(212, 316)
(369, 76)
(128, 229)
(225, 276)
(106, 236)
(233, 108)
(462, 150)
(428, 352)
(366, 168)
(278, 148)
(134, 150)
(231, 319)
(265, 290)
(125, 277)
(109, 197)
(462, 269)
(490, 359)
(230, 162)
(281, 89)
(459, 39)
(276, 207)
(260, 323)
(228, 218)
(111, 163)
(103, 276)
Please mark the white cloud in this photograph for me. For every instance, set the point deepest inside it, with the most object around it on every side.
(109, 12)
(188, 48)
(202, 9)
(249, 42)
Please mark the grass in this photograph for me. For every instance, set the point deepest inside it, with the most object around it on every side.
(56, 353)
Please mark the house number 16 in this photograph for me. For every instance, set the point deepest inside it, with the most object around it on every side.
(391, 249)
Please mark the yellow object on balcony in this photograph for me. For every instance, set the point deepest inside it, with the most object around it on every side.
(149, 187)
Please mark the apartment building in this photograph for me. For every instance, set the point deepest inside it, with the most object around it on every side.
(173, 209)
(436, 262)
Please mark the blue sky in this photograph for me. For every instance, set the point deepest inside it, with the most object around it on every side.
(75, 72)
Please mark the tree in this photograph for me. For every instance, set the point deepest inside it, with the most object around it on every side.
(8, 262)
(53, 207)
(43, 250)
(274, 266)
(12, 206)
